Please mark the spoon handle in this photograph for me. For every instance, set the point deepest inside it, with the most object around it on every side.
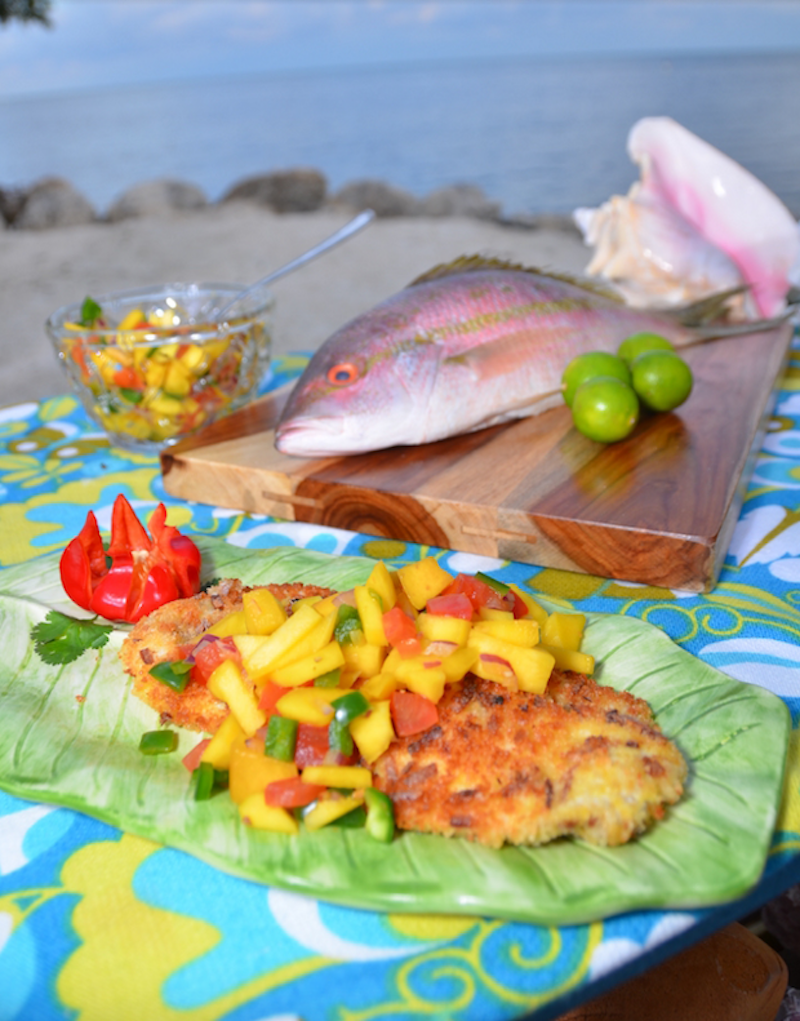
(354, 225)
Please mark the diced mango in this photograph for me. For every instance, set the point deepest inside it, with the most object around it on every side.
(532, 667)
(317, 638)
(380, 581)
(328, 810)
(166, 405)
(564, 630)
(132, 319)
(491, 613)
(437, 628)
(370, 610)
(379, 687)
(428, 682)
(193, 356)
(326, 606)
(259, 661)
(459, 663)
(263, 612)
(364, 660)
(570, 659)
(309, 667)
(422, 580)
(392, 662)
(373, 732)
(155, 373)
(499, 671)
(309, 705)
(177, 381)
(427, 661)
(228, 684)
(257, 813)
(234, 623)
(352, 777)
(522, 632)
(218, 750)
(535, 610)
(251, 770)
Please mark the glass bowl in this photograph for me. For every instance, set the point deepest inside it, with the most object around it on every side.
(150, 366)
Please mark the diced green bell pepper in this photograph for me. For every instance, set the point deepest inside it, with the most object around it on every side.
(158, 742)
(380, 815)
(348, 621)
(281, 738)
(175, 675)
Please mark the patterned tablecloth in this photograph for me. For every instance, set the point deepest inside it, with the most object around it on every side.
(97, 925)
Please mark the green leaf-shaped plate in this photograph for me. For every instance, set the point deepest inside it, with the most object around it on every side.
(70, 736)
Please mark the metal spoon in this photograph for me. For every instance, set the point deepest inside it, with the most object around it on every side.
(356, 224)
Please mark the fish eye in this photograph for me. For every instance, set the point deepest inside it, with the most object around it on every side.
(342, 374)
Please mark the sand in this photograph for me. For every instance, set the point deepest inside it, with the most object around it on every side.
(236, 243)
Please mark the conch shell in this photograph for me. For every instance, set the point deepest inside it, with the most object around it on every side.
(697, 223)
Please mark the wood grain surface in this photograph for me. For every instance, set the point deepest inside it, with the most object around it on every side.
(658, 508)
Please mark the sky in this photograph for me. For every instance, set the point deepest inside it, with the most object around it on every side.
(100, 43)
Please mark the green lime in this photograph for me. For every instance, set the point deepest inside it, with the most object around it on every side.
(636, 345)
(588, 366)
(662, 380)
(605, 409)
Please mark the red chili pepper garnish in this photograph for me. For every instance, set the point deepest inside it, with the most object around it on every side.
(137, 573)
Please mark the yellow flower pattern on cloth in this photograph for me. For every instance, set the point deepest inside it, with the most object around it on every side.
(96, 924)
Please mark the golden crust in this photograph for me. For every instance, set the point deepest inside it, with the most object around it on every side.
(582, 760)
(500, 767)
(171, 632)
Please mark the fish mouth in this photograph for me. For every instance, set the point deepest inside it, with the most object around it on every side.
(320, 437)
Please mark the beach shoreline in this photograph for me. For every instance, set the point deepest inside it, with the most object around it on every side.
(238, 242)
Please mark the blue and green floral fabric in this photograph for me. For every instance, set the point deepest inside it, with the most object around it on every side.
(96, 924)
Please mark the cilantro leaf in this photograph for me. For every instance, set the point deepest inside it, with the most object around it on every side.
(90, 312)
(59, 639)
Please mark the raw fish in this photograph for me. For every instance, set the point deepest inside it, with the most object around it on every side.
(465, 346)
(695, 224)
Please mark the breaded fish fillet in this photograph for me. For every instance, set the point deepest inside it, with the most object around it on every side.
(171, 632)
(582, 760)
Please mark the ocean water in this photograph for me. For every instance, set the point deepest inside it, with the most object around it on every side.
(538, 136)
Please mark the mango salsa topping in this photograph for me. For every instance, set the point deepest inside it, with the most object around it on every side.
(318, 695)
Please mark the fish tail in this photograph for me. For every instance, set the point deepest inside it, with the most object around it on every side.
(708, 310)
(704, 319)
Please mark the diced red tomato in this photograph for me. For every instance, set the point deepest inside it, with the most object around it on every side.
(455, 605)
(313, 748)
(478, 592)
(519, 607)
(192, 759)
(412, 713)
(209, 655)
(291, 793)
(129, 378)
(401, 632)
(312, 745)
(270, 695)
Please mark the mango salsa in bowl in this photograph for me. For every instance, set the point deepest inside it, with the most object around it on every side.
(152, 366)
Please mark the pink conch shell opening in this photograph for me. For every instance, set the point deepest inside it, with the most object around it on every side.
(696, 223)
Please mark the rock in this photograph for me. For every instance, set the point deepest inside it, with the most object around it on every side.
(300, 190)
(541, 221)
(54, 202)
(460, 200)
(11, 202)
(149, 198)
(385, 199)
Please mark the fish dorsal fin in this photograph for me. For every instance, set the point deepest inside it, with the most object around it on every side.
(475, 263)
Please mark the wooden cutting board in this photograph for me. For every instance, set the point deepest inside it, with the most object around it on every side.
(658, 508)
